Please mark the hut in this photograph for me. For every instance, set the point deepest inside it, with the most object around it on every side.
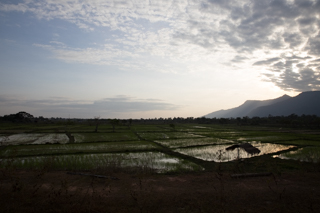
(246, 147)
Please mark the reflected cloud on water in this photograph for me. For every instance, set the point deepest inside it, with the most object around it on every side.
(218, 153)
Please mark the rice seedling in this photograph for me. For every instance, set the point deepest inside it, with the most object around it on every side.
(306, 154)
(97, 137)
(149, 128)
(166, 135)
(18, 139)
(156, 161)
(220, 134)
(192, 142)
(56, 149)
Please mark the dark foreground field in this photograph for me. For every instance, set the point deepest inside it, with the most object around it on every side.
(58, 191)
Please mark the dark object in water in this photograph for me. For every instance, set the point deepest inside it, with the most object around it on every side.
(246, 147)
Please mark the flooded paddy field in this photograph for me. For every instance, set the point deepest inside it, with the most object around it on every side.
(307, 154)
(56, 149)
(166, 135)
(151, 128)
(140, 168)
(37, 138)
(104, 137)
(192, 142)
(180, 147)
(155, 161)
(218, 153)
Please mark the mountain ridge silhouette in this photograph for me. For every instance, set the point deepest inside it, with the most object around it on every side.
(307, 103)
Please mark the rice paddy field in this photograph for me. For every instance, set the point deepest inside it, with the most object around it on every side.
(160, 148)
(158, 168)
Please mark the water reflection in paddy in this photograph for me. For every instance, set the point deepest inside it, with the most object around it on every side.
(307, 154)
(218, 153)
(23, 138)
(146, 160)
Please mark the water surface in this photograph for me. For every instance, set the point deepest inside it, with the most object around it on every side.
(157, 161)
(307, 154)
(218, 153)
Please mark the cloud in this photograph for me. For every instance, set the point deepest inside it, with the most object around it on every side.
(239, 59)
(125, 103)
(57, 43)
(109, 107)
(180, 32)
(108, 55)
(20, 7)
(293, 72)
(267, 62)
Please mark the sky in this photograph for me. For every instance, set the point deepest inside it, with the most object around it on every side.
(154, 58)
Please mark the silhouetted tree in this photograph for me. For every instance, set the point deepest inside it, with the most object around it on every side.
(113, 123)
(172, 126)
(96, 122)
(20, 117)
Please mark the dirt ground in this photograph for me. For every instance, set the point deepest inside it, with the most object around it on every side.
(58, 191)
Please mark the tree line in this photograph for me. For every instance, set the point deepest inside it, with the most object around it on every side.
(293, 120)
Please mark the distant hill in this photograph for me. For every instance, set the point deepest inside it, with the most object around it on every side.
(307, 103)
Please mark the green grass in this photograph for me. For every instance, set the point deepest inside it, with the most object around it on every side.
(98, 137)
(157, 161)
(301, 142)
(221, 134)
(192, 142)
(310, 137)
(263, 136)
(193, 128)
(101, 128)
(31, 138)
(58, 149)
(307, 154)
(187, 141)
(166, 135)
(151, 128)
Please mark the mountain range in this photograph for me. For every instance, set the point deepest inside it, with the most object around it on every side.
(307, 103)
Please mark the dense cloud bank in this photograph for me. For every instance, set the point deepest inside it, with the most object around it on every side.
(282, 36)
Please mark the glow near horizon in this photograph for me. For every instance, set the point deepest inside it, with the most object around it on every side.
(146, 59)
